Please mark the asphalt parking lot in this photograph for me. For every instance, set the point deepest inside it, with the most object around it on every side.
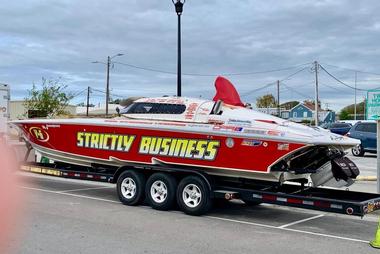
(71, 216)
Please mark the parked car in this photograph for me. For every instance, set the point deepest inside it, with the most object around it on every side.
(366, 132)
(338, 128)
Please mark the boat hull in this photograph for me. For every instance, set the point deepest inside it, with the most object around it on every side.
(84, 144)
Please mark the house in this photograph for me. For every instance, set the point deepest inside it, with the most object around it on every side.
(270, 111)
(304, 112)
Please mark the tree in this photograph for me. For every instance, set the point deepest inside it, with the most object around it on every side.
(344, 115)
(50, 100)
(289, 105)
(117, 101)
(266, 101)
(347, 113)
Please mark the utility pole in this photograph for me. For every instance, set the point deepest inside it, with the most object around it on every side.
(108, 83)
(278, 99)
(316, 66)
(88, 100)
(108, 64)
(356, 78)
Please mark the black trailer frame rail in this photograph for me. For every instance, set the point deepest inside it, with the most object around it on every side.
(322, 199)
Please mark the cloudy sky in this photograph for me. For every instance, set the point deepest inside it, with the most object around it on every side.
(244, 40)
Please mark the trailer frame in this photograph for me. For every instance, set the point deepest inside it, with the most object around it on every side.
(250, 191)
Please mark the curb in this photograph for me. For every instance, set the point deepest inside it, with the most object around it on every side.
(366, 178)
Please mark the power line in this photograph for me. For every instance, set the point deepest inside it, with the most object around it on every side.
(344, 68)
(273, 83)
(297, 92)
(114, 95)
(341, 82)
(77, 94)
(334, 88)
(210, 75)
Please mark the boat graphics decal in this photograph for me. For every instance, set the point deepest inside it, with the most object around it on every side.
(38, 133)
(105, 141)
(178, 147)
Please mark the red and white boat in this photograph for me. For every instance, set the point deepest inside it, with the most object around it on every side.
(220, 137)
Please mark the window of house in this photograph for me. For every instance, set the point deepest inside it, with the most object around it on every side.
(305, 114)
(294, 114)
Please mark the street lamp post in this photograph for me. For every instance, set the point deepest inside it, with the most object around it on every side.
(108, 64)
(179, 9)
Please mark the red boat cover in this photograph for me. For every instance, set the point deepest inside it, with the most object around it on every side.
(226, 92)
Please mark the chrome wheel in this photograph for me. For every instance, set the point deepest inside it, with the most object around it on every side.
(128, 188)
(357, 150)
(192, 195)
(159, 191)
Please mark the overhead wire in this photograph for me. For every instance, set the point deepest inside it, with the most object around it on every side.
(272, 83)
(212, 74)
(297, 92)
(344, 68)
(340, 81)
(78, 93)
(114, 95)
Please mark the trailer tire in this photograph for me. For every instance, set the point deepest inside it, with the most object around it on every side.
(193, 195)
(161, 190)
(131, 187)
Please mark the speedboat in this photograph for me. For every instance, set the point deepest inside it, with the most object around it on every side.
(222, 137)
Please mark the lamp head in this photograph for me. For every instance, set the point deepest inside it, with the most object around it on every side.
(179, 6)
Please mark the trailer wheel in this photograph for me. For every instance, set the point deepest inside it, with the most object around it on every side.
(160, 191)
(193, 196)
(130, 187)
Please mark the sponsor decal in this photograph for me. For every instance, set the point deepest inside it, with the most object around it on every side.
(336, 137)
(230, 142)
(227, 128)
(177, 147)
(255, 131)
(372, 206)
(283, 147)
(239, 122)
(52, 126)
(251, 142)
(40, 134)
(190, 112)
(105, 141)
(164, 100)
(275, 133)
(215, 121)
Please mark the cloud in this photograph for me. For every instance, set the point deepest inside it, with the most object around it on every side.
(61, 38)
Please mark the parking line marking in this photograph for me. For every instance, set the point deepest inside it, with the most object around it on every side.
(288, 229)
(83, 189)
(211, 217)
(70, 194)
(300, 221)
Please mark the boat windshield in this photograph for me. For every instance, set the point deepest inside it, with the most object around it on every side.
(153, 108)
